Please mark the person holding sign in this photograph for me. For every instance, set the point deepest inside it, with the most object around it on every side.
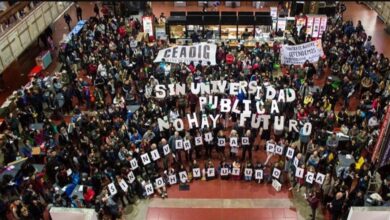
(247, 141)
(176, 142)
(224, 170)
(221, 143)
(195, 170)
(159, 185)
(198, 143)
(163, 149)
(233, 144)
(236, 170)
(270, 148)
(209, 170)
(248, 171)
(188, 146)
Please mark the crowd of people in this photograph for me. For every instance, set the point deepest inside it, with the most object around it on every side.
(89, 134)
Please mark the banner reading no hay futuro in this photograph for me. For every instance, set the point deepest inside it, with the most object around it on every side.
(298, 54)
(186, 54)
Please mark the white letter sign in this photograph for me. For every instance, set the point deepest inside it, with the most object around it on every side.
(155, 154)
(112, 189)
(149, 189)
(145, 159)
(276, 173)
(196, 172)
(179, 144)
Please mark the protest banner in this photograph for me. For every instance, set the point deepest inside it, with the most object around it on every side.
(203, 52)
(298, 54)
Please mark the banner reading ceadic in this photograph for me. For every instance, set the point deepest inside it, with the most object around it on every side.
(298, 54)
(198, 52)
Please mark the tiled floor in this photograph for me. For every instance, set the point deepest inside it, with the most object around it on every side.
(227, 189)
(220, 214)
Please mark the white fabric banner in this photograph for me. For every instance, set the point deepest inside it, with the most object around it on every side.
(197, 52)
(298, 54)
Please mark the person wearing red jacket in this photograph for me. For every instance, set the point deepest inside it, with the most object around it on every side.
(88, 194)
(230, 58)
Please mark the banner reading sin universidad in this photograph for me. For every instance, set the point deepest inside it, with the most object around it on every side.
(298, 54)
(198, 52)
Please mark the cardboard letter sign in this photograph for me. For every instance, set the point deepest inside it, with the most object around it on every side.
(166, 150)
(179, 144)
(299, 172)
(187, 145)
(183, 176)
(210, 172)
(245, 141)
(224, 171)
(149, 189)
(112, 189)
(296, 161)
(198, 141)
(279, 150)
(258, 174)
(131, 177)
(123, 185)
(145, 158)
(236, 171)
(320, 178)
(208, 136)
(248, 172)
(310, 177)
(160, 182)
(276, 173)
(290, 153)
(155, 154)
(134, 163)
(172, 179)
(270, 147)
(196, 172)
(233, 142)
(221, 142)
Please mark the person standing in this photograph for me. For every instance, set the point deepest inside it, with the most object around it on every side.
(79, 12)
(313, 202)
(96, 10)
(336, 206)
(68, 19)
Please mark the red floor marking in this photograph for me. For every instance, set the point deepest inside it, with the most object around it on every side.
(222, 214)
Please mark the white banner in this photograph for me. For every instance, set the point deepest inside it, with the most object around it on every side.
(298, 54)
(197, 52)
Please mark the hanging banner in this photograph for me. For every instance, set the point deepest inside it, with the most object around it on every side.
(147, 24)
(298, 54)
(185, 54)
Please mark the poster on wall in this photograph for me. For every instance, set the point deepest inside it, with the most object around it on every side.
(197, 52)
(298, 54)
(282, 24)
(324, 20)
(274, 12)
(309, 25)
(147, 23)
(316, 27)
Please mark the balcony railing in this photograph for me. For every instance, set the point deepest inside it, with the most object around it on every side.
(18, 37)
